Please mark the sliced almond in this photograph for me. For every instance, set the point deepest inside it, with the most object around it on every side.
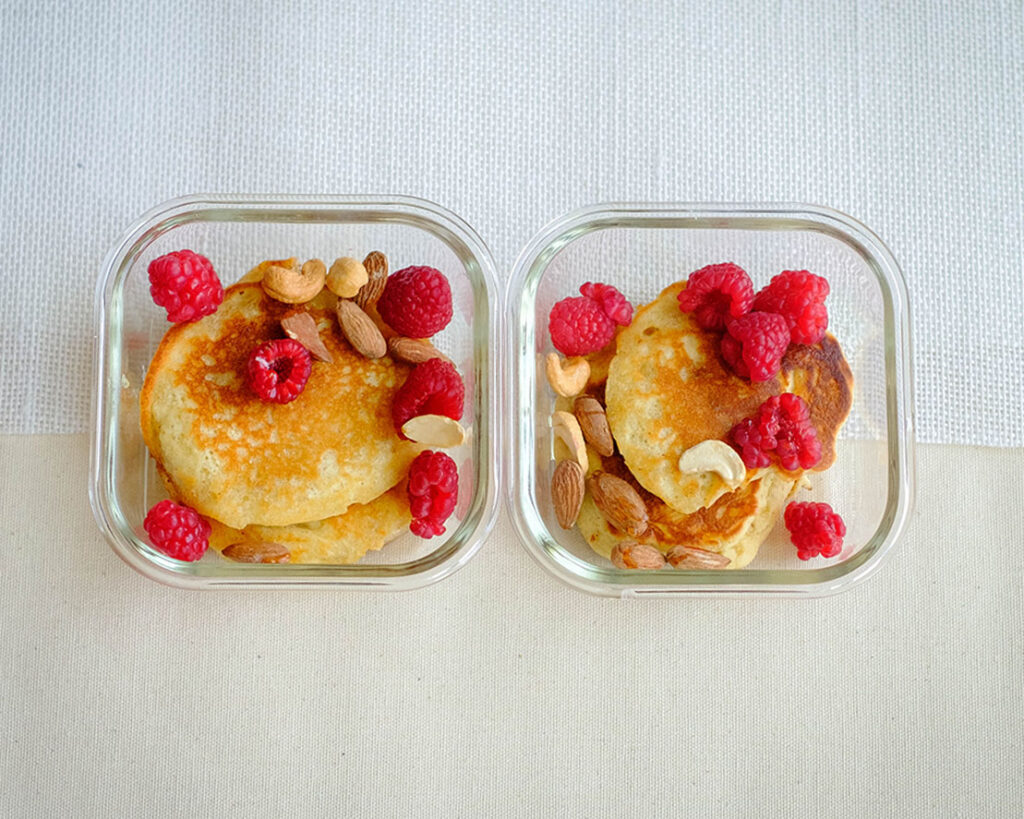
(566, 429)
(360, 330)
(346, 277)
(567, 488)
(301, 326)
(628, 554)
(257, 551)
(376, 264)
(434, 430)
(594, 423)
(619, 502)
(690, 557)
(413, 350)
(567, 377)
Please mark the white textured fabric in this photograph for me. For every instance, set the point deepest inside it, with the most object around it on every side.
(501, 692)
(908, 116)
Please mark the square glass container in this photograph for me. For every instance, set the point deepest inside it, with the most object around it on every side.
(236, 233)
(641, 249)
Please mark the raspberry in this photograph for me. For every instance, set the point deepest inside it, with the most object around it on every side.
(432, 388)
(612, 302)
(417, 302)
(782, 425)
(177, 530)
(278, 370)
(796, 442)
(754, 345)
(433, 492)
(799, 297)
(814, 529)
(578, 325)
(185, 284)
(716, 293)
(752, 443)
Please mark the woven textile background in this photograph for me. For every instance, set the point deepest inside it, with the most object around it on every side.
(908, 116)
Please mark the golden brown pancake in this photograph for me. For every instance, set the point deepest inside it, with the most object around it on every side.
(243, 461)
(338, 540)
(668, 389)
(735, 525)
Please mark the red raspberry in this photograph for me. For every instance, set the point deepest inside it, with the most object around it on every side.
(782, 425)
(611, 300)
(433, 492)
(278, 370)
(796, 442)
(799, 297)
(579, 326)
(814, 529)
(716, 293)
(177, 530)
(416, 302)
(185, 284)
(754, 345)
(752, 443)
(432, 388)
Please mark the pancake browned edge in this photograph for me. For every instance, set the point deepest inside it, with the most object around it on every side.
(242, 461)
(337, 540)
(820, 374)
(341, 539)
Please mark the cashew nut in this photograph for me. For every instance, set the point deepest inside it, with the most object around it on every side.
(567, 430)
(567, 377)
(714, 456)
(294, 286)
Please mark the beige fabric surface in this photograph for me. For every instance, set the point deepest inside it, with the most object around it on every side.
(500, 692)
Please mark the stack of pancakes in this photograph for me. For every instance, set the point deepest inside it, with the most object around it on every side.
(322, 475)
(666, 388)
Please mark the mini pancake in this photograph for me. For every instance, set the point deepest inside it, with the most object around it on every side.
(243, 461)
(340, 539)
(668, 388)
(735, 525)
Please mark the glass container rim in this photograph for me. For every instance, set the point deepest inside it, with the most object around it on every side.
(437, 220)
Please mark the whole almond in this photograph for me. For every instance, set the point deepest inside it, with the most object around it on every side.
(690, 557)
(628, 554)
(376, 264)
(412, 350)
(619, 502)
(261, 551)
(567, 488)
(301, 326)
(594, 423)
(360, 330)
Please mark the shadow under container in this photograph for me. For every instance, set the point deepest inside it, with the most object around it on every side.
(641, 249)
(235, 233)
